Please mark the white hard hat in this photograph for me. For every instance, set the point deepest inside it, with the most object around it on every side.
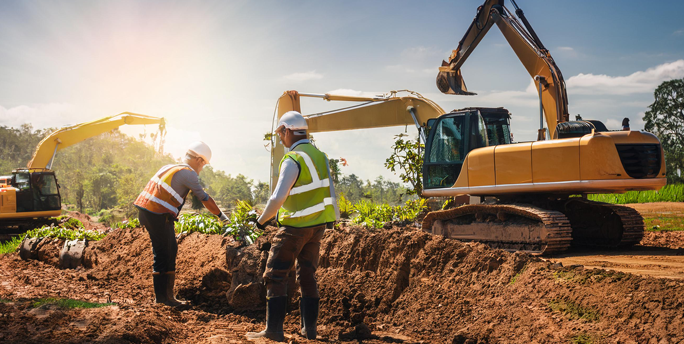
(293, 120)
(201, 150)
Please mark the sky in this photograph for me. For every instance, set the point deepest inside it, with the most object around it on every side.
(215, 69)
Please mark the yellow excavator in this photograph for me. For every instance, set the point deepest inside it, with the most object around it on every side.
(30, 196)
(526, 196)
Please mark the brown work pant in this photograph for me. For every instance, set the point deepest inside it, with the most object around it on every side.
(290, 243)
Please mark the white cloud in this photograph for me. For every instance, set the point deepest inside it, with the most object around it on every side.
(678, 33)
(638, 82)
(354, 93)
(40, 116)
(420, 52)
(305, 76)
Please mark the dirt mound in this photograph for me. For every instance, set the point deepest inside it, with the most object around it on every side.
(87, 221)
(673, 240)
(396, 285)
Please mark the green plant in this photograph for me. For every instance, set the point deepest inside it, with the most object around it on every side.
(346, 207)
(202, 223)
(128, 224)
(240, 226)
(665, 118)
(583, 338)
(69, 303)
(515, 278)
(5, 301)
(11, 245)
(65, 233)
(573, 310)
(407, 158)
(373, 215)
(72, 223)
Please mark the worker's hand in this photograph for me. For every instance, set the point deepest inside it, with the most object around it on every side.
(258, 225)
(223, 217)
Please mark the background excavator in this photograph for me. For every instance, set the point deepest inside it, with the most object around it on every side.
(30, 196)
(534, 192)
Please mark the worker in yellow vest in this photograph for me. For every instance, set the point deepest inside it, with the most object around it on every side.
(159, 204)
(304, 202)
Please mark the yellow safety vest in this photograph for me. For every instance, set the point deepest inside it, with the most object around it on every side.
(158, 196)
(309, 202)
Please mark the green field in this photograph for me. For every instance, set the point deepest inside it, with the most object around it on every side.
(669, 193)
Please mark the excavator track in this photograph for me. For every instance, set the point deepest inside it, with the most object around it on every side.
(603, 224)
(516, 227)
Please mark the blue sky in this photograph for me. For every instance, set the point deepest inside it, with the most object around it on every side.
(214, 69)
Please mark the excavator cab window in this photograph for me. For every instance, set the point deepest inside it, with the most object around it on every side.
(38, 191)
(498, 128)
(445, 151)
(450, 139)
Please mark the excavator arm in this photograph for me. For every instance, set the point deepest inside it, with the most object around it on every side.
(371, 112)
(65, 137)
(526, 45)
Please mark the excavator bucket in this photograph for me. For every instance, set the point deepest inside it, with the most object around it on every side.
(450, 82)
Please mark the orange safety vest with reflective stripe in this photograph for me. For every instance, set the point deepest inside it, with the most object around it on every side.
(158, 196)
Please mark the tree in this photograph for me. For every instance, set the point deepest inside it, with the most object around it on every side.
(665, 118)
(407, 158)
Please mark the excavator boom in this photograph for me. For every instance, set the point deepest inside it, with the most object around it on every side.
(526, 45)
(372, 112)
(65, 137)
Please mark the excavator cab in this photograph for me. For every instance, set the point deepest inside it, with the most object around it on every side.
(452, 136)
(36, 190)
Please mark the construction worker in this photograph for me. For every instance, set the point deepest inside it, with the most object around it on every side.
(304, 201)
(159, 204)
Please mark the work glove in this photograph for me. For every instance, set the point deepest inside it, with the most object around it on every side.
(223, 217)
(258, 225)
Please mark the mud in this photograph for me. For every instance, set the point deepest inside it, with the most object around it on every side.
(395, 285)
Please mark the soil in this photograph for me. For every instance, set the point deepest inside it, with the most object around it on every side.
(397, 285)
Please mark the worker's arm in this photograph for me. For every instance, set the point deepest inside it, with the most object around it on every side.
(289, 171)
(190, 180)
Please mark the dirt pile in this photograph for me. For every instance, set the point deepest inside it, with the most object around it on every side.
(395, 285)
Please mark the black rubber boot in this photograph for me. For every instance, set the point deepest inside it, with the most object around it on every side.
(170, 294)
(309, 309)
(163, 288)
(276, 308)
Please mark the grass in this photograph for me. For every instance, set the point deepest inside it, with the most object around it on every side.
(664, 223)
(69, 303)
(11, 245)
(5, 301)
(669, 193)
(515, 278)
(584, 338)
(573, 311)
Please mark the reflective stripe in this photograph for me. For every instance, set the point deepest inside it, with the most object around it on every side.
(168, 189)
(314, 209)
(316, 182)
(166, 205)
(311, 186)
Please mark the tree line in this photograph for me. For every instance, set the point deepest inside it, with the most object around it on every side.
(109, 171)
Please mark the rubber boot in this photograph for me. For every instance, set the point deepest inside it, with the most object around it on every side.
(170, 294)
(309, 311)
(163, 288)
(276, 308)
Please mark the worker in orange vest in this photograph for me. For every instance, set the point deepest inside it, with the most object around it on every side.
(159, 204)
